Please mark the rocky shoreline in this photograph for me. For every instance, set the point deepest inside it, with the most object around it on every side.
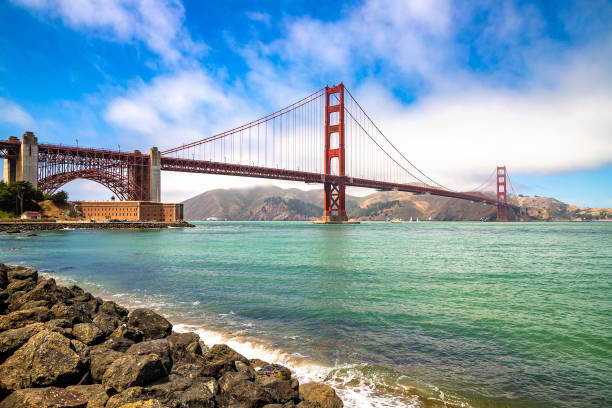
(18, 226)
(63, 347)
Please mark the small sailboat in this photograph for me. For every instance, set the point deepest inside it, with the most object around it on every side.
(410, 219)
(396, 221)
(417, 219)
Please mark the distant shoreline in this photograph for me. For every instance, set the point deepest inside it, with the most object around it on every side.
(18, 225)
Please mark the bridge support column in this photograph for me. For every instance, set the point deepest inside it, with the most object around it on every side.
(334, 210)
(27, 161)
(502, 198)
(10, 165)
(155, 174)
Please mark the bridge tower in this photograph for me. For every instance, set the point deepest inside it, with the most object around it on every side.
(502, 201)
(334, 190)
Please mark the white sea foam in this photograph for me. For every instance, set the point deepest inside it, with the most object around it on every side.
(354, 389)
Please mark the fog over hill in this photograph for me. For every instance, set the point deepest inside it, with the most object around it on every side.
(271, 203)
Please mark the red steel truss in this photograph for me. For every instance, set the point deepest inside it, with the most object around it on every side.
(125, 174)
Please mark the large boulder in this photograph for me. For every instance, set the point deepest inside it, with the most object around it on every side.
(128, 332)
(158, 347)
(271, 373)
(112, 309)
(236, 389)
(88, 333)
(220, 359)
(11, 340)
(46, 359)
(183, 346)
(283, 391)
(116, 343)
(153, 325)
(20, 286)
(22, 318)
(320, 393)
(74, 313)
(21, 273)
(49, 397)
(100, 360)
(46, 290)
(133, 370)
(96, 396)
(107, 323)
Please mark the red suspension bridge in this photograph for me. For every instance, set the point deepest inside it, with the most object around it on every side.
(324, 138)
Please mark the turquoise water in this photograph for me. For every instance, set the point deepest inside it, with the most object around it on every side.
(479, 314)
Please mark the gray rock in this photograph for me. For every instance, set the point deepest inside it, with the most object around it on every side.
(152, 325)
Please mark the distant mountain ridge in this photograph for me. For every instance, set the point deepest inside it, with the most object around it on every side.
(271, 203)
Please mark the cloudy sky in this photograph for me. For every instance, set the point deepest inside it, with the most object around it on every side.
(458, 86)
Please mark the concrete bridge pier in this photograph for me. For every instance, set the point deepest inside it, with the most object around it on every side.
(24, 167)
(155, 174)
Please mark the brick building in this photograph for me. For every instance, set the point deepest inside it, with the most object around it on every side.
(131, 211)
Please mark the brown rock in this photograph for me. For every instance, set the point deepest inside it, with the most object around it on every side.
(130, 370)
(11, 340)
(3, 276)
(101, 359)
(116, 343)
(21, 273)
(271, 373)
(112, 309)
(96, 396)
(152, 325)
(75, 313)
(46, 359)
(20, 286)
(152, 403)
(235, 389)
(183, 346)
(88, 333)
(22, 318)
(158, 347)
(107, 323)
(50, 397)
(320, 393)
(220, 358)
(128, 332)
(283, 391)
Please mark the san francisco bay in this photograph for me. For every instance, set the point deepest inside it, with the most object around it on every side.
(412, 314)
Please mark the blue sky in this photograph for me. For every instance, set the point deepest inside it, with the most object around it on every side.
(458, 86)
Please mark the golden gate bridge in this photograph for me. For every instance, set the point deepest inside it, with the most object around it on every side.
(326, 138)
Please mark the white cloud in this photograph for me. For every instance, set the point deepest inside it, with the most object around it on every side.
(157, 23)
(10, 112)
(178, 108)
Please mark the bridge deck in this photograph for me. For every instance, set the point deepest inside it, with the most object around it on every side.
(211, 167)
